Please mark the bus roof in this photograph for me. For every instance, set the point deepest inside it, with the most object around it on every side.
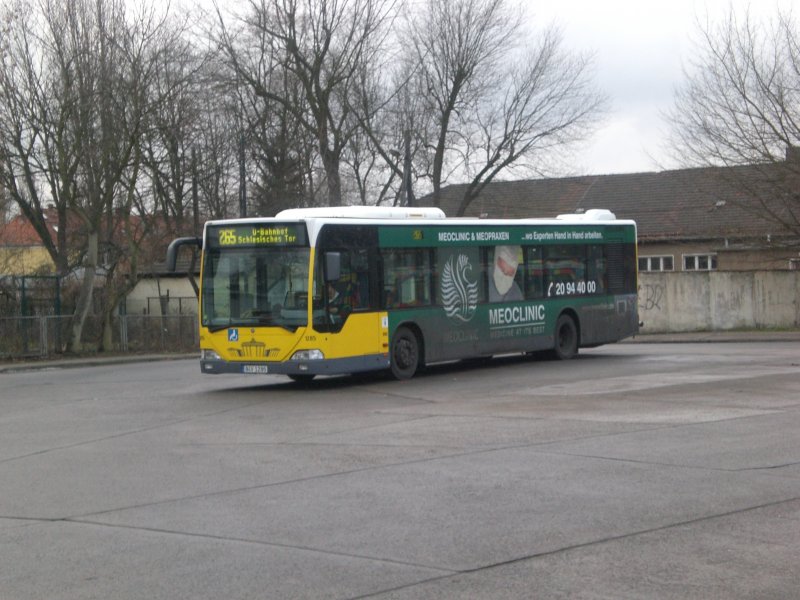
(363, 212)
(317, 217)
(593, 214)
(423, 213)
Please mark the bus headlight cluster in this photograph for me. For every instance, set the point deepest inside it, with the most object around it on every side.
(308, 355)
(209, 355)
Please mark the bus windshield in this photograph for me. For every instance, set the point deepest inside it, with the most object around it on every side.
(255, 286)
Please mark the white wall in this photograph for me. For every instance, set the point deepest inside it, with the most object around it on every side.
(182, 298)
(719, 300)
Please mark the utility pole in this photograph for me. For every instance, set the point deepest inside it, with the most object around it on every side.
(242, 180)
(195, 197)
(407, 187)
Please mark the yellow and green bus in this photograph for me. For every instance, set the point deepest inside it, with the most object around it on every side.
(341, 290)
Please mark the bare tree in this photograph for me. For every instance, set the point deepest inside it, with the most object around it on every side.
(171, 133)
(317, 47)
(5, 203)
(38, 168)
(216, 160)
(740, 107)
(113, 54)
(372, 153)
(280, 151)
(215, 133)
(158, 98)
(494, 102)
(74, 82)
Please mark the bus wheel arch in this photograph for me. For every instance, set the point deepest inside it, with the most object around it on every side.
(407, 351)
(566, 336)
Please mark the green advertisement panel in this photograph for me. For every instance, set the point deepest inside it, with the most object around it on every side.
(481, 311)
(516, 327)
(406, 236)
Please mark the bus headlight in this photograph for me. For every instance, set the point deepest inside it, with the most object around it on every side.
(308, 355)
(209, 355)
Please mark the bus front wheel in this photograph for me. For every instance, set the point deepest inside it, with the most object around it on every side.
(566, 338)
(405, 356)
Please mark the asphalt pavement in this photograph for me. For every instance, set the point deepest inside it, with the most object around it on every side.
(696, 337)
(666, 471)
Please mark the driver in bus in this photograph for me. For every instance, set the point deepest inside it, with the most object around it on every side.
(340, 304)
(334, 298)
(502, 287)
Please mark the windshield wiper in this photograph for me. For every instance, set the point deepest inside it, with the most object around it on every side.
(215, 328)
(264, 320)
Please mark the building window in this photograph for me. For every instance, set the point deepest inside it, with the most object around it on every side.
(699, 262)
(655, 263)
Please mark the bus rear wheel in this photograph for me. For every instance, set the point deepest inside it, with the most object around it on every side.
(566, 338)
(405, 355)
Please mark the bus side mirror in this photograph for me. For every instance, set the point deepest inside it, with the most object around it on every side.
(174, 246)
(333, 266)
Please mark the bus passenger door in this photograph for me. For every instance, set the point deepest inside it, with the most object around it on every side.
(354, 326)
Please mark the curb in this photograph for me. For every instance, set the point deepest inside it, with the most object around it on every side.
(714, 337)
(94, 361)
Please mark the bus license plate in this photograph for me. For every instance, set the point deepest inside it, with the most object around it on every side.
(256, 369)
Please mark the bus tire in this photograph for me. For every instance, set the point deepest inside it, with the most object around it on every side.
(301, 377)
(405, 355)
(565, 338)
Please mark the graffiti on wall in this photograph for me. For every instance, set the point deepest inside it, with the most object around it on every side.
(651, 297)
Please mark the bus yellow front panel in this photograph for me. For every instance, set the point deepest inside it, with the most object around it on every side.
(252, 344)
(363, 334)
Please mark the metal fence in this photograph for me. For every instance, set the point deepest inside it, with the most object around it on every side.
(44, 336)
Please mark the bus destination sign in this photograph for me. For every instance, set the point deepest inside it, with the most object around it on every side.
(266, 234)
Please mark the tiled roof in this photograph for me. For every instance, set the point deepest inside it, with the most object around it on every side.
(676, 205)
(19, 232)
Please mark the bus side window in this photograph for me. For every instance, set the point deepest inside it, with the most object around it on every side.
(561, 270)
(597, 270)
(353, 283)
(406, 278)
(389, 297)
(534, 273)
(390, 266)
(359, 277)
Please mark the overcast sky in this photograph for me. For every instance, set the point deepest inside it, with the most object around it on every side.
(640, 48)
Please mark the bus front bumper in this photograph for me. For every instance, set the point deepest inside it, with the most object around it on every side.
(335, 366)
